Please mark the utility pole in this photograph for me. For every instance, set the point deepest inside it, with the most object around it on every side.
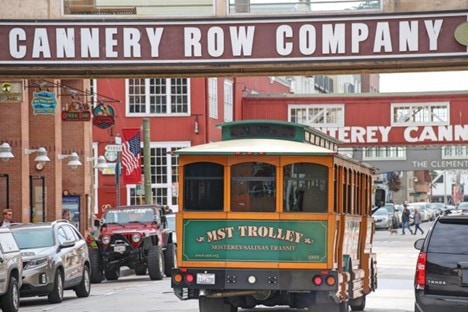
(147, 161)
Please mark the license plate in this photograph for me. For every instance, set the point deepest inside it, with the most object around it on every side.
(205, 278)
(119, 248)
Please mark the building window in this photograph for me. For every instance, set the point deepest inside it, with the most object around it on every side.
(317, 115)
(213, 97)
(228, 100)
(454, 152)
(409, 114)
(119, 8)
(323, 84)
(164, 168)
(158, 97)
(384, 153)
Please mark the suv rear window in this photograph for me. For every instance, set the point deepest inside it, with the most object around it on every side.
(449, 236)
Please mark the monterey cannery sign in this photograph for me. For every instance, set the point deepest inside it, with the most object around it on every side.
(235, 42)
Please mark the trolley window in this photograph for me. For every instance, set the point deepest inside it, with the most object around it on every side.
(305, 188)
(203, 187)
(253, 187)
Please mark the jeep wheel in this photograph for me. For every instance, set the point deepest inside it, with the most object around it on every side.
(112, 273)
(56, 295)
(155, 263)
(10, 300)
(170, 259)
(84, 288)
(95, 258)
(140, 269)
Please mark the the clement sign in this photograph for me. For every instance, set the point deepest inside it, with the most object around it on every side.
(233, 44)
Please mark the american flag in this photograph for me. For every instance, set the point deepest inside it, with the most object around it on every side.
(131, 156)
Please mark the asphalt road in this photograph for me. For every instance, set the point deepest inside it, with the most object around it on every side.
(396, 259)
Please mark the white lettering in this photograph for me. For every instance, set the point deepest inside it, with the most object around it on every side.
(433, 31)
(242, 40)
(282, 33)
(89, 42)
(65, 42)
(359, 33)
(192, 37)
(215, 41)
(131, 38)
(307, 38)
(408, 36)
(111, 42)
(407, 134)
(41, 44)
(333, 41)
(383, 39)
(17, 51)
(154, 36)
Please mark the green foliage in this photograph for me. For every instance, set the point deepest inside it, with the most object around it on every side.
(394, 182)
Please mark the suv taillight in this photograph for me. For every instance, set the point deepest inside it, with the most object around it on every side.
(420, 278)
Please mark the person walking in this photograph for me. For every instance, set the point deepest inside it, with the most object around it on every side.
(7, 218)
(417, 221)
(405, 219)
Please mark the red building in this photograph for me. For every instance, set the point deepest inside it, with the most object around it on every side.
(181, 111)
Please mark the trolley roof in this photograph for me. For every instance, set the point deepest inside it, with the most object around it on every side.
(256, 147)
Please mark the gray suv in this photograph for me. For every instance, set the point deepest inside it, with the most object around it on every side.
(441, 279)
(11, 268)
(55, 258)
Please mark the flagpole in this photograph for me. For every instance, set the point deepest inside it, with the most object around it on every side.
(147, 161)
(118, 141)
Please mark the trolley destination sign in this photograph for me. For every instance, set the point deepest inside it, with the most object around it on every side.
(238, 43)
(245, 241)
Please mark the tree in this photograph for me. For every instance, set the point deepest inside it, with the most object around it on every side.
(394, 182)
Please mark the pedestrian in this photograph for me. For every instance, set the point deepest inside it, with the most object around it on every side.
(7, 218)
(417, 221)
(405, 219)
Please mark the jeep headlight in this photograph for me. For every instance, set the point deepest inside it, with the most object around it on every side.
(106, 239)
(34, 263)
(136, 237)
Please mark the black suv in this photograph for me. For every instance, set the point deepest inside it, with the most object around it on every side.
(441, 279)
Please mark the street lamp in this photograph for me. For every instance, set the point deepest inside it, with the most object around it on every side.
(41, 157)
(5, 152)
(100, 163)
(74, 160)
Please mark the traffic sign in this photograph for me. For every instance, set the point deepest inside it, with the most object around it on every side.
(113, 148)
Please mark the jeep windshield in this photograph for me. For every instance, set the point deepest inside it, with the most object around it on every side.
(122, 216)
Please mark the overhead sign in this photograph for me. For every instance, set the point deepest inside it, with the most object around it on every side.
(235, 44)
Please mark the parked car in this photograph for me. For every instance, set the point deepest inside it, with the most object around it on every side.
(425, 214)
(463, 207)
(135, 236)
(393, 211)
(55, 258)
(382, 219)
(441, 279)
(11, 269)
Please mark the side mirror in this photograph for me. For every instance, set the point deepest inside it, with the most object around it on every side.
(419, 244)
(97, 223)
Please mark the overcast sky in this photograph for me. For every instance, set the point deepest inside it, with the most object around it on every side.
(420, 82)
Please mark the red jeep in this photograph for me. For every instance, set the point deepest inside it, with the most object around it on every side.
(134, 236)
